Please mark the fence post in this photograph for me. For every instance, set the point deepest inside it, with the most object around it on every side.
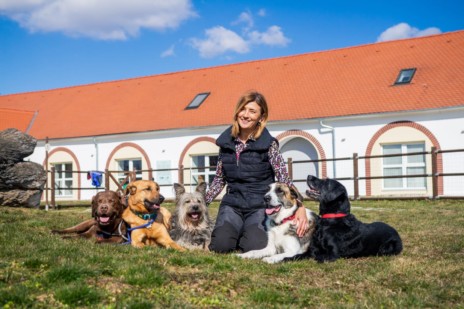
(107, 179)
(355, 176)
(52, 187)
(181, 174)
(290, 168)
(434, 154)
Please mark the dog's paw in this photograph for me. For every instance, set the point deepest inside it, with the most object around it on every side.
(272, 259)
(243, 255)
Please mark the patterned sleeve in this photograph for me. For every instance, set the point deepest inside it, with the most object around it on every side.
(218, 182)
(278, 164)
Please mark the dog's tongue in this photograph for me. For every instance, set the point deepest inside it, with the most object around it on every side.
(104, 219)
(194, 215)
(270, 211)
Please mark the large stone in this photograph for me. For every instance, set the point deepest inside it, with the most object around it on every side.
(15, 146)
(23, 175)
(20, 198)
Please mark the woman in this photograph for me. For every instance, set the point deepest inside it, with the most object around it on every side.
(249, 161)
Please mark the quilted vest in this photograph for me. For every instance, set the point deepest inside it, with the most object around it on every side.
(249, 177)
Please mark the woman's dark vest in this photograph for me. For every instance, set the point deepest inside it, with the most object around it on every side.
(247, 179)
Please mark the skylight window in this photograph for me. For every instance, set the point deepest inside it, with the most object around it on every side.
(405, 76)
(196, 102)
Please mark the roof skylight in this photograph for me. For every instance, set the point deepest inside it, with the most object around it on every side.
(405, 76)
(196, 102)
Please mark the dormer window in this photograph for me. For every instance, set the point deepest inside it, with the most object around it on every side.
(196, 102)
(405, 76)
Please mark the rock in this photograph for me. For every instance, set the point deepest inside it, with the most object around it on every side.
(23, 175)
(20, 198)
(15, 146)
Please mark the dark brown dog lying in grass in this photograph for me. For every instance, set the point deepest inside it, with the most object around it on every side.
(106, 226)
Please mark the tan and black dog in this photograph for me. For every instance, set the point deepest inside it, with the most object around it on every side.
(106, 226)
(149, 221)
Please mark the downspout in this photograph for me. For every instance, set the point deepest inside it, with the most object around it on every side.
(332, 130)
(96, 153)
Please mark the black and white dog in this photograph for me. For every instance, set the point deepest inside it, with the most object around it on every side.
(283, 242)
(191, 224)
(339, 234)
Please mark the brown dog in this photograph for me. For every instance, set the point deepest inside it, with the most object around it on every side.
(149, 222)
(106, 226)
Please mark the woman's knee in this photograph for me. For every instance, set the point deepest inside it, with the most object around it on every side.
(224, 238)
(254, 238)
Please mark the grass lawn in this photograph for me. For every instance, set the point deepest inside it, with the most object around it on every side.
(40, 270)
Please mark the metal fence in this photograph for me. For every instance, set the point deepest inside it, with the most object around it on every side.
(444, 176)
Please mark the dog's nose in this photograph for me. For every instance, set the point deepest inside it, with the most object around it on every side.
(267, 198)
(195, 207)
(161, 199)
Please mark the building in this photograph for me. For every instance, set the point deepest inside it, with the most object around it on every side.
(384, 98)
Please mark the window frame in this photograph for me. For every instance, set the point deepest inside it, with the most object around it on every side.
(403, 74)
(61, 179)
(120, 176)
(404, 155)
(208, 169)
(198, 100)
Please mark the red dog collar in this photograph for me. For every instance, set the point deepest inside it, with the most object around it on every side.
(333, 216)
(291, 218)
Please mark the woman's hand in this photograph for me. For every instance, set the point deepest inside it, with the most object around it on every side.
(301, 220)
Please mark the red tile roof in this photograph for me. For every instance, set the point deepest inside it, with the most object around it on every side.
(10, 118)
(349, 81)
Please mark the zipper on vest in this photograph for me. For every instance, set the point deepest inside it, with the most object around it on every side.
(237, 157)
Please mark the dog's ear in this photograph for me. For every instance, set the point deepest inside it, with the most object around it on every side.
(201, 188)
(178, 189)
(121, 200)
(131, 189)
(94, 204)
(295, 193)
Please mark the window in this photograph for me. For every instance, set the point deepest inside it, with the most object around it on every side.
(200, 98)
(404, 165)
(63, 179)
(129, 165)
(405, 76)
(203, 168)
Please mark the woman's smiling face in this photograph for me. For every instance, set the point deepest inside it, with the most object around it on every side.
(249, 116)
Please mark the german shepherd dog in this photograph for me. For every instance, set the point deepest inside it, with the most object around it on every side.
(283, 241)
(191, 224)
(149, 221)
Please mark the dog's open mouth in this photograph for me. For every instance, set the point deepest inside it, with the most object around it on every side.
(151, 206)
(194, 216)
(273, 210)
(104, 219)
(313, 193)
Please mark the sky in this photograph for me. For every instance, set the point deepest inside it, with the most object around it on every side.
(49, 44)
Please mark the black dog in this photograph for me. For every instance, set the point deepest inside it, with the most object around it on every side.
(339, 234)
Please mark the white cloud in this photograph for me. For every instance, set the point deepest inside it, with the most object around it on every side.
(405, 31)
(99, 19)
(168, 52)
(262, 12)
(245, 18)
(219, 40)
(272, 37)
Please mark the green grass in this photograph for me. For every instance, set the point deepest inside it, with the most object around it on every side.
(41, 270)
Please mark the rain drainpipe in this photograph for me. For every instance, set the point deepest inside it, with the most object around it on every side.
(96, 153)
(332, 130)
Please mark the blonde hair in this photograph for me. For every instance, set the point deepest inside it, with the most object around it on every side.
(258, 98)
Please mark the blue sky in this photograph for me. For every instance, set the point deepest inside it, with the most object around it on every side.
(48, 44)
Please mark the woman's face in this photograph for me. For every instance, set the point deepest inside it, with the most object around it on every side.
(249, 116)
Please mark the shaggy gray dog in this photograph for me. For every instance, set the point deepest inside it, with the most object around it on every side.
(191, 225)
